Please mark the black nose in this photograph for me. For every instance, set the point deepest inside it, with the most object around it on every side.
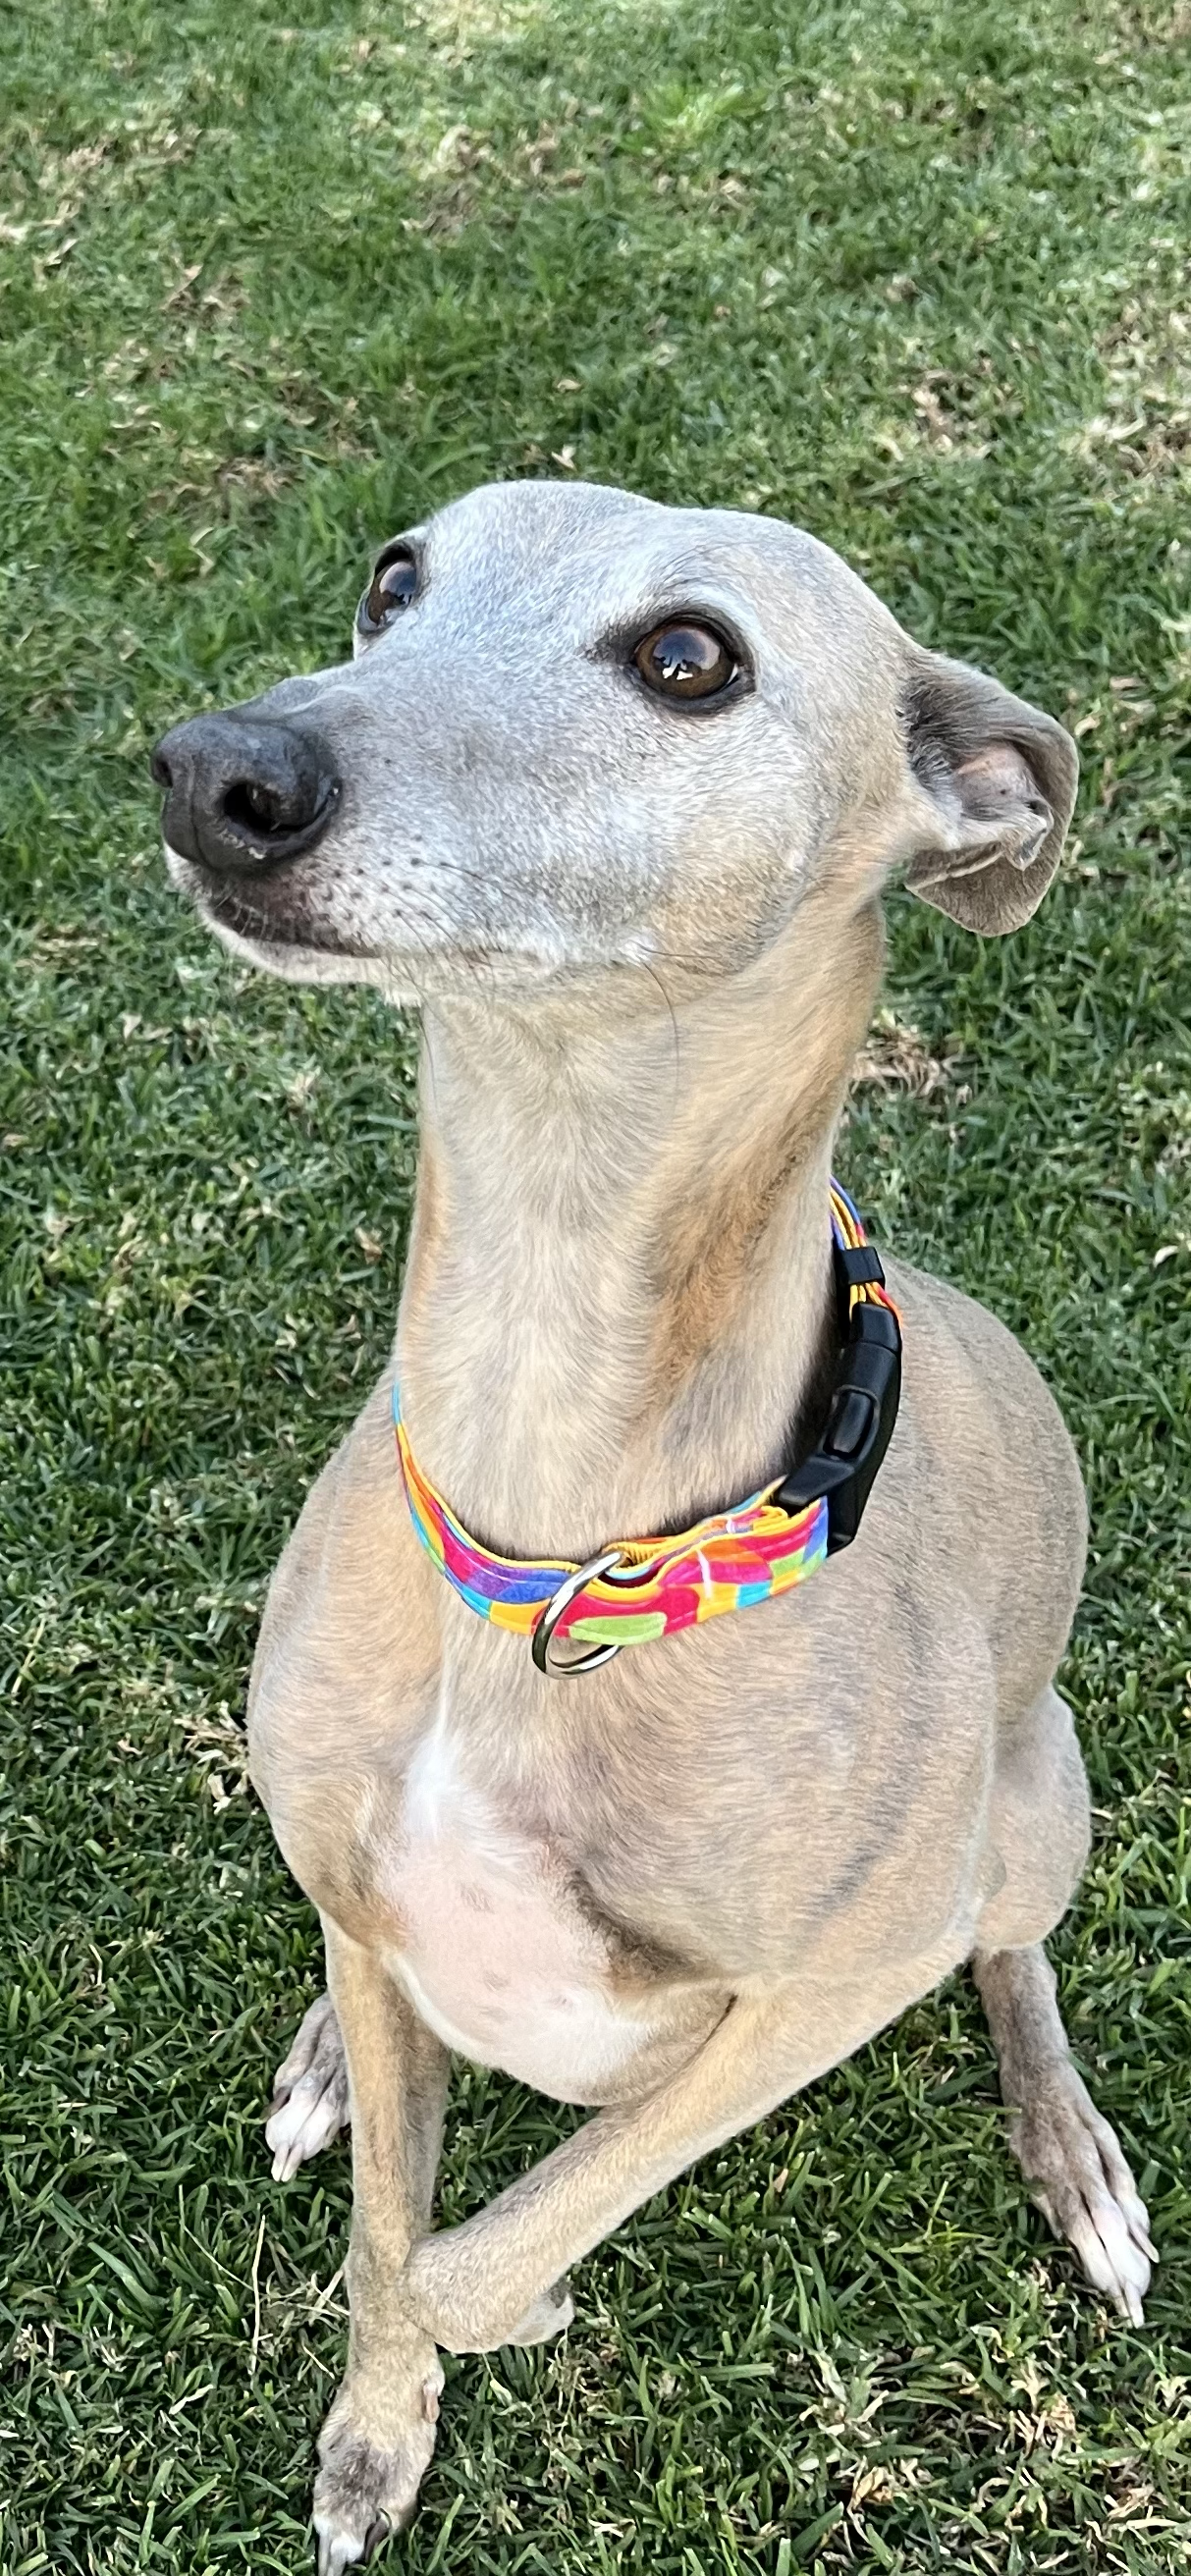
(244, 792)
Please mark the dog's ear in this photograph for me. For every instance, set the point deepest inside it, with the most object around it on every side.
(1001, 778)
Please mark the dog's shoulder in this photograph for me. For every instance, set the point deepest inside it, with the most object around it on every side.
(346, 1663)
(962, 1364)
(983, 1466)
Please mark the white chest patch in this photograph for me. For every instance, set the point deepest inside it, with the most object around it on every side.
(497, 1957)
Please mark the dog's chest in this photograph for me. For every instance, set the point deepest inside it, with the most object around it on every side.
(496, 1951)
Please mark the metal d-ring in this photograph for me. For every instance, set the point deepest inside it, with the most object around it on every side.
(560, 1601)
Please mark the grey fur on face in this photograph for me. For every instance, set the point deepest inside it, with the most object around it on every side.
(517, 810)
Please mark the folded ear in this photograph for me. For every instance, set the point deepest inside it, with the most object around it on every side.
(1001, 778)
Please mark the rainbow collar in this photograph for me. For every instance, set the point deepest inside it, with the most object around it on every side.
(639, 1589)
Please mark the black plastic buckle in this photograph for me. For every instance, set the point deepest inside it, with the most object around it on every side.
(864, 1401)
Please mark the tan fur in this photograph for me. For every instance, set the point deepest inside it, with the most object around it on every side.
(707, 1242)
(692, 1881)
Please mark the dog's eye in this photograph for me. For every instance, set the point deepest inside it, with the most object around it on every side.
(685, 661)
(394, 584)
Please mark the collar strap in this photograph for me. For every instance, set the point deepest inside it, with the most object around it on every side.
(638, 1589)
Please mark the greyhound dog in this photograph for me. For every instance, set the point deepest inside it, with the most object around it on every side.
(611, 790)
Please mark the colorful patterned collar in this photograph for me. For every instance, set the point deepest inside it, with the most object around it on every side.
(638, 1589)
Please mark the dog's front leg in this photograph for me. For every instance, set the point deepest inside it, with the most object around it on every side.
(379, 2435)
(493, 2279)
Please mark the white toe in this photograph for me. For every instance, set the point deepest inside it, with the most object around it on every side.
(309, 2105)
(1082, 2183)
(299, 2128)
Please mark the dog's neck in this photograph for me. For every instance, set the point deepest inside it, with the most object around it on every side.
(618, 1303)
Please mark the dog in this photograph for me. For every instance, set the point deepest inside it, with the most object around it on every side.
(611, 792)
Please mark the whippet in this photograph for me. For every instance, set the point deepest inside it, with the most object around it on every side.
(612, 791)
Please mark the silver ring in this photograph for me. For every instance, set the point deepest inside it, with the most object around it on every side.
(560, 1601)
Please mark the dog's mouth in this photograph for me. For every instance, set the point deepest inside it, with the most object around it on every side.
(288, 924)
(280, 924)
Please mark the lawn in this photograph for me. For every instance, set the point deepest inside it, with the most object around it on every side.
(275, 279)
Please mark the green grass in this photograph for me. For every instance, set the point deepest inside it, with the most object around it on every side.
(273, 279)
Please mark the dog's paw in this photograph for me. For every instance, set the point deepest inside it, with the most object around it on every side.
(309, 2105)
(373, 2457)
(1082, 2184)
(549, 2315)
(465, 2313)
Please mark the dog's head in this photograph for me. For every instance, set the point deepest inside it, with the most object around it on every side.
(583, 731)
